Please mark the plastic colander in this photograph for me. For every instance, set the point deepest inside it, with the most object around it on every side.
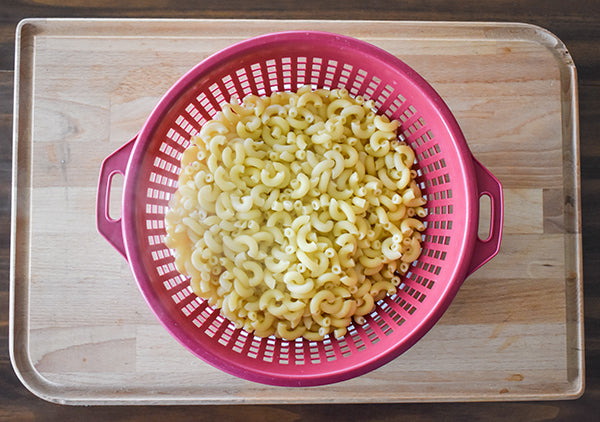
(449, 176)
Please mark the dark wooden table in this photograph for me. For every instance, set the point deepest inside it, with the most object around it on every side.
(576, 23)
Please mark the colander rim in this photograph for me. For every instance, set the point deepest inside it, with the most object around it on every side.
(135, 255)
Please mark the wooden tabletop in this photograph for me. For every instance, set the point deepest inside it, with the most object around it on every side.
(576, 24)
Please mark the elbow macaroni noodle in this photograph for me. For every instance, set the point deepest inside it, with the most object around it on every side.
(295, 213)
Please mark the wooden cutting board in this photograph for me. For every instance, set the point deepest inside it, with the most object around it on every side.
(81, 332)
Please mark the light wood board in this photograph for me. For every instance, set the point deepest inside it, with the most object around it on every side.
(80, 330)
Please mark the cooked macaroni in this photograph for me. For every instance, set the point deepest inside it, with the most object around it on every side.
(295, 213)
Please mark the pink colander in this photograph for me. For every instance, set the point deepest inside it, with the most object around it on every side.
(449, 176)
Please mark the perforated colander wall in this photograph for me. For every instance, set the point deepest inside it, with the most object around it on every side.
(398, 320)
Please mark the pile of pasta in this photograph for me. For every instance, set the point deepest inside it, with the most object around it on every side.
(296, 212)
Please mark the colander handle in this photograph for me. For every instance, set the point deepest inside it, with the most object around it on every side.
(486, 249)
(110, 228)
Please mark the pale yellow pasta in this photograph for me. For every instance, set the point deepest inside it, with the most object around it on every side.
(384, 124)
(286, 332)
(301, 239)
(408, 226)
(366, 305)
(295, 213)
(302, 186)
(276, 266)
(256, 270)
(412, 251)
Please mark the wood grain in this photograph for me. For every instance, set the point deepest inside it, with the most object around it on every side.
(84, 106)
(573, 23)
(576, 23)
